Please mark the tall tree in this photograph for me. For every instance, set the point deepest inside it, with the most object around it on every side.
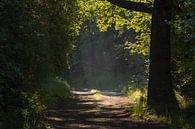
(160, 89)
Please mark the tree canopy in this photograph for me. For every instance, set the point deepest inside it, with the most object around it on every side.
(37, 38)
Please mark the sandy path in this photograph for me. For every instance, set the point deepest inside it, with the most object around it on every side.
(88, 111)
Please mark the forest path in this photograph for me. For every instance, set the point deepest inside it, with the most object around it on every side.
(88, 110)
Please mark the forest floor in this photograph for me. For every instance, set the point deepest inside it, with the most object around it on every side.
(97, 111)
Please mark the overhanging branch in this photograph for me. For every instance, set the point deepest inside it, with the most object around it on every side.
(134, 6)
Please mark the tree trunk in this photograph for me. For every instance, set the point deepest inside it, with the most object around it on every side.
(160, 89)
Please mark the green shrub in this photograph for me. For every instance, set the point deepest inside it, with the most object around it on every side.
(25, 112)
(33, 113)
(54, 90)
(139, 96)
(183, 118)
(11, 119)
(140, 108)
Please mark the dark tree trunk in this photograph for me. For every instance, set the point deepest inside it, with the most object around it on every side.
(160, 89)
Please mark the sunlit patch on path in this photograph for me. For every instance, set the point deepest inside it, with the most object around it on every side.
(85, 111)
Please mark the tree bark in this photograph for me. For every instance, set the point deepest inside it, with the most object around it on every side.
(134, 6)
(160, 89)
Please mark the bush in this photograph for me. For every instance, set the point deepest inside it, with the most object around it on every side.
(54, 90)
(33, 113)
(183, 118)
(139, 96)
(25, 112)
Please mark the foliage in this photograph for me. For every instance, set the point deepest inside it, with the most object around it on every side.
(33, 112)
(182, 58)
(36, 38)
(140, 108)
(99, 54)
(108, 15)
(136, 93)
(96, 94)
(11, 117)
(139, 97)
(184, 20)
(183, 47)
(182, 118)
(54, 90)
(28, 113)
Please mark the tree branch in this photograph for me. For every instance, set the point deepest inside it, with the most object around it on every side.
(134, 6)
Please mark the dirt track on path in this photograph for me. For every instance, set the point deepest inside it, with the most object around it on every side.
(88, 111)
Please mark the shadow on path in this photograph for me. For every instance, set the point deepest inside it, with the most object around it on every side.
(84, 112)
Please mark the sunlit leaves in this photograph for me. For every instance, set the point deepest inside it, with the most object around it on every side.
(108, 15)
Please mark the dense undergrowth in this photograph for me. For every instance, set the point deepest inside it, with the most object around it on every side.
(55, 90)
(182, 118)
(36, 39)
(28, 110)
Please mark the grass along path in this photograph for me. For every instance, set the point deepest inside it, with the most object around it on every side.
(88, 110)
